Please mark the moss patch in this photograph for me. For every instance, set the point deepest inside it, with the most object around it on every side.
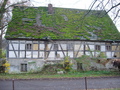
(35, 22)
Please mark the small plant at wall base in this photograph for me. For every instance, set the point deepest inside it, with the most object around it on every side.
(7, 66)
(100, 58)
(2, 61)
(67, 64)
(2, 68)
(51, 69)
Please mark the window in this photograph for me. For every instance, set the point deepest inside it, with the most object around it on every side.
(28, 46)
(35, 46)
(55, 46)
(97, 47)
(70, 46)
(24, 67)
(108, 48)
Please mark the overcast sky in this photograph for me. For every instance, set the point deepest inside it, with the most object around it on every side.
(78, 4)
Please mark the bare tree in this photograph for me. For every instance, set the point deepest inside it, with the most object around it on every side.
(6, 7)
(112, 7)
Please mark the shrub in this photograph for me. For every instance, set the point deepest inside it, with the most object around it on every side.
(3, 61)
(83, 62)
(51, 68)
(7, 66)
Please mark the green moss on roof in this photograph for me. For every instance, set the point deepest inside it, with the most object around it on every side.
(35, 22)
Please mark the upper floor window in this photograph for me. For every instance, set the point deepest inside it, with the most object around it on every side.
(70, 46)
(108, 48)
(97, 47)
(28, 46)
(55, 46)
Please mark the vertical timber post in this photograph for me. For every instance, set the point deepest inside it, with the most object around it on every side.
(85, 83)
(13, 84)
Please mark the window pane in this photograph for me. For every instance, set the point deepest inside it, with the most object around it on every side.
(28, 46)
(97, 47)
(24, 67)
(55, 46)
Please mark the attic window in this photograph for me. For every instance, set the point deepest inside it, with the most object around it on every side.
(28, 46)
(97, 47)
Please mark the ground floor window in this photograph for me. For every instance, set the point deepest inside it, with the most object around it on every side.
(23, 67)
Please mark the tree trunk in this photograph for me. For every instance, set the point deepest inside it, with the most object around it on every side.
(0, 46)
(2, 11)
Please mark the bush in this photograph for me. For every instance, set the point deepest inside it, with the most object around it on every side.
(4, 65)
(51, 68)
(2, 68)
(83, 62)
(7, 66)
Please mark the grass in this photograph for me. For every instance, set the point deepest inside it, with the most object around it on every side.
(72, 74)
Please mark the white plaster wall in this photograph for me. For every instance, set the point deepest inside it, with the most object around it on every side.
(70, 54)
(103, 48)
(109, 55)
(61, 54)
(64, 46)
(52, 54)
(112, 54)
(92, 47)
(76, 47)
(35, 54)
(28, 41)
(14, 45)
(42, 46)
(14, 41)
(28, 54)
(32, 65)
(22, 54)
(22, 46)
(12, 54)
(10, 47)
(88, 53)
(41, 54)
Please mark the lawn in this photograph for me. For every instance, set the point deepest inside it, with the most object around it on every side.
(72, 74)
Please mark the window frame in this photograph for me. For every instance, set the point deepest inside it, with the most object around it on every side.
(23, 67)
(70, 46)
(98, 47)
(28, 46)
(55, 47)
(108, 47)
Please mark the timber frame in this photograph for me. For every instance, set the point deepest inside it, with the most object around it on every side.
(47, 49)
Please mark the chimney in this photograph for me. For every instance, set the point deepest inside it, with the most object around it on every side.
(50, 9)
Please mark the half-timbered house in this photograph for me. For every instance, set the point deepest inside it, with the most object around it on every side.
(40, 34)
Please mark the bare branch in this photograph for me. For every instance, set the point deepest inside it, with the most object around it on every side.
(113, 7)
(92, 5)
(117, 14)
(16, 4)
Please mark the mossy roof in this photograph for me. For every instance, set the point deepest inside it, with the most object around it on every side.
(64, 23)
